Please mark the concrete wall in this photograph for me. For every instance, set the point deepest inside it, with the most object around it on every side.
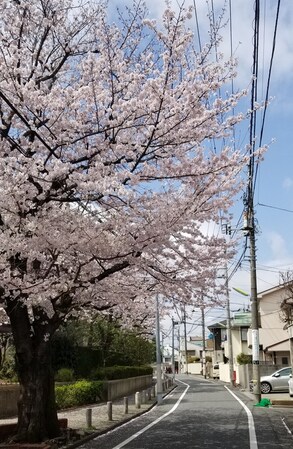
(8, 400)
(113, 389)
(245, 373)
(193, 368)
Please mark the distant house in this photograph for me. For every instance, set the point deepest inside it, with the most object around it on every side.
(194, 351)
(167, 354)
(240, 323)
(273, 337)
(218, 337)
(194, 348)
(274, 344)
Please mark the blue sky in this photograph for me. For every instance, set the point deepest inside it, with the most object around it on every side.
(274, 186)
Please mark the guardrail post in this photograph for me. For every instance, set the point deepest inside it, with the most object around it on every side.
(125, 402)
(88, 417)
(110, 410)
(143, 397)
(149, 393)
(137, 399)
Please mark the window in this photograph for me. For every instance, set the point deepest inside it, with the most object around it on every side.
(244, 331)
(284, 360)
(285, 372)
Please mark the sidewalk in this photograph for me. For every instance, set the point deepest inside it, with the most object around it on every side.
(100, 421)
(78, 431)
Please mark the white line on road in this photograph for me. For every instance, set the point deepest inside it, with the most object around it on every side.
(154, 422)
(286, 427)
(251, 428)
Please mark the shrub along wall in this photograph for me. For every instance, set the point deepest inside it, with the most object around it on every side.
(108, 384)
(79, 393)
(120, 372)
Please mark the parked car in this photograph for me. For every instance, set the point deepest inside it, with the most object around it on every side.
(216, 371)
(278, 381)
(290, 384)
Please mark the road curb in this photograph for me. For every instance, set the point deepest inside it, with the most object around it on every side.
(281, 403)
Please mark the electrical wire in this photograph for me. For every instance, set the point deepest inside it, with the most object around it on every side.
(270, 70)
(269, 79)
(197, 26)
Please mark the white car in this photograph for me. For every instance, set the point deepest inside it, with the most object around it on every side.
(216, 371)
(290, 383)
(278, 381)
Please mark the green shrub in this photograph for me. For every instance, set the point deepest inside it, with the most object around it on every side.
(80, 393)
(8, 370)
(244, 359)
(192, 359)
(120, 372)
(64, 375)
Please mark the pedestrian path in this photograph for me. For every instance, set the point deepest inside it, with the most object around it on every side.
(77, 418)
(80, 429)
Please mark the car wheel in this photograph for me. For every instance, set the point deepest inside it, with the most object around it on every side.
(265, 387)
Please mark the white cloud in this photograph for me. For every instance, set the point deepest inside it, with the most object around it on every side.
(287, 183)
(277, 245)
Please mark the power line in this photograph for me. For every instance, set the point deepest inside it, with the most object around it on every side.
(270, 71)
(275, 207)
(269, 79)
(197, 26)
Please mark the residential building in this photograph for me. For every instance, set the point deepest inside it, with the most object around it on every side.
(240, 324)
(273, 337)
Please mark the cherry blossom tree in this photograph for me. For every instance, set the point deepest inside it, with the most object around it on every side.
(106, 174)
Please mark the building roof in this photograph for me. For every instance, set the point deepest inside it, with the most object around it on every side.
(271, 290)
(218, 325)
(278, 346)
(241, 319)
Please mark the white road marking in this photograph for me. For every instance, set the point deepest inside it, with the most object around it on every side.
(286, 427)
(154, 422)
(251, 428)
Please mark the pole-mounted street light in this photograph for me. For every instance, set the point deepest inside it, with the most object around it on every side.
(158, 355)
(174, 323)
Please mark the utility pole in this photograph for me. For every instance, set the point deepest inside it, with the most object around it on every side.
(173, 349)
(229, 333)
(158, 354)
(179, 351)
(249, 220)
(185, 341)
(227, 229)
(254, 305)
(204, 371)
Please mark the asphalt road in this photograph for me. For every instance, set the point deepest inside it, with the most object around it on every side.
(202, 413)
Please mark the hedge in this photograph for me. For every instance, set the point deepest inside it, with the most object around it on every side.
(79, 393)
(120, 372)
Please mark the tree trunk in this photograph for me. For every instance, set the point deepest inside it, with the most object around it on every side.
(37, 413)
